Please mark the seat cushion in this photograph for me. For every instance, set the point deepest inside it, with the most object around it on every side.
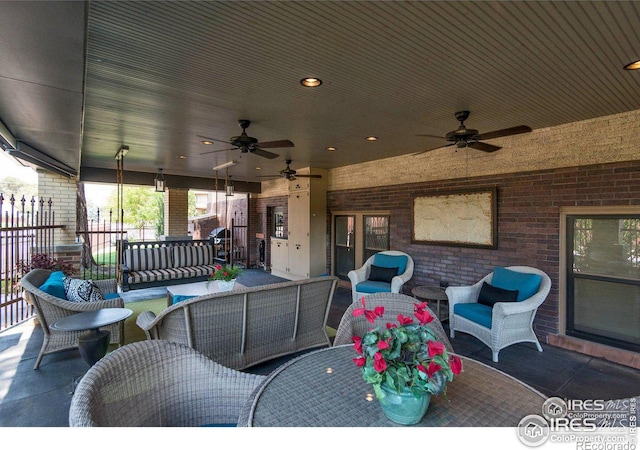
(526, 284)
(476, 312)
(490, 295)
(384, 260)
(385, 274)
(54, 285)
(371, 287)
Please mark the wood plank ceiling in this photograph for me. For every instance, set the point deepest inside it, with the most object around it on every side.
(158, 74)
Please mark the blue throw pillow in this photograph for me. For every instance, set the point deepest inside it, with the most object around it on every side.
(383, 260)
(526, 284)
(54, 285)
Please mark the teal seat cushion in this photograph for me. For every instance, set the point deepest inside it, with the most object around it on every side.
(111, 296)
(384, 260)
(54, 285)
(371, 287)
(181, 298)
(476, 312)
(526, 284)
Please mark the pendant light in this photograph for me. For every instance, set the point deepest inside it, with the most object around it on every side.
(159, 181)
(228, 188)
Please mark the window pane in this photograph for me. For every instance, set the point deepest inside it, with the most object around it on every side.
(607, 246)
(607, 309)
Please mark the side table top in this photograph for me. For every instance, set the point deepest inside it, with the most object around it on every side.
(429, 292)
(89, 320)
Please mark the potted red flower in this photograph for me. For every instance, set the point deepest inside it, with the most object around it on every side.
(404, 362)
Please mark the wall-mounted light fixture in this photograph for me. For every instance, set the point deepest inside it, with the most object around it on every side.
(159, 181)
(228, 186)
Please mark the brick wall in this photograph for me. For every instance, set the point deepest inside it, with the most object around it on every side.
(528, 222)
(176, 212)
(62, 192)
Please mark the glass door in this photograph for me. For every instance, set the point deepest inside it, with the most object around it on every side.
(344, 246)
(603, 279)
(376, 235)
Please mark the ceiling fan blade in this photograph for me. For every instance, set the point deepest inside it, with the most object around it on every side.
(212, 139)
(218, 151)
(483, 146)
(275, 144)
(430, 135)
(301, 175)
(431, 149)
(265, 154)
(506, 132)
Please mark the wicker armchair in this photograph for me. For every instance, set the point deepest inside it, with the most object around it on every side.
(50, 309)
(511, 322)
(361, 276)
(159, 384)
(394, 304)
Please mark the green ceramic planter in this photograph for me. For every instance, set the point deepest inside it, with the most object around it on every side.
(404, 408)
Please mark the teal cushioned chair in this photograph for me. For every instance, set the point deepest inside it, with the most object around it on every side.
(362, 286)
(506, 323)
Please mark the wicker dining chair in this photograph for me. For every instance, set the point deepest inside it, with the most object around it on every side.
(49, 309)
(393, 304)
(159, 384)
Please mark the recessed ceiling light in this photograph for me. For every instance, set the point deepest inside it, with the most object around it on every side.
(635, 65)
(331, 149)
(311, 82)
(207, 142)
(258, 168)
(371, 138)
(181, 157)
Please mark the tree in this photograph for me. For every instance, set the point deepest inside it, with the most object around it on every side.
(16, 186)
(140, 205)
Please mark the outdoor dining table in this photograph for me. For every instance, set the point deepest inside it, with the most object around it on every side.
(325, 388)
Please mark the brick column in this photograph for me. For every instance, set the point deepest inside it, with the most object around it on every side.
(62, 192)
(176, 212)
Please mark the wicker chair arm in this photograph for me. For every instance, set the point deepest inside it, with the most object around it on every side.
(358, 275)
(146, 320)
(463, 294)
(108, 286)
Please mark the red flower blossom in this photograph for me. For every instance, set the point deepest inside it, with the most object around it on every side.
(379, 364)
(357, 344)
(368, 314)
(435, 348)
(391, 325)
(361, 361)
(433, 368)
(456, 364)
(383, 345)
(218, 267)
(421, 313)
(404, 320)
(421, 368)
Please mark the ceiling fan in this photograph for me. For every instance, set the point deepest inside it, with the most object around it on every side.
(290, 174)
(468, 137)
(248, 144)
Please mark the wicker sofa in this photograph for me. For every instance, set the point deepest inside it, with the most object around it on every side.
(244, 327)
(159, 263)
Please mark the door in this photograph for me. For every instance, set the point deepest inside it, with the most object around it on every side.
(376, 235)
(344, 245)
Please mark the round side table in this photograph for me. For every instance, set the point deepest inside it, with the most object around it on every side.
(94, 344)
(431, 293)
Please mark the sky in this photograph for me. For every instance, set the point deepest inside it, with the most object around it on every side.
(98, 193)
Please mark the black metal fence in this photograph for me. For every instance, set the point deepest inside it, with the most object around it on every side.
(26, 229)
